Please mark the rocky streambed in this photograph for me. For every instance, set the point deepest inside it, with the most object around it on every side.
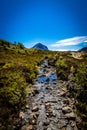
(49, 106)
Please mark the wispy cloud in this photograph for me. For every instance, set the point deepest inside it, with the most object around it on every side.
(70, 41)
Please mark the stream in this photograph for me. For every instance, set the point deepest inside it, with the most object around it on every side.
(49, 107)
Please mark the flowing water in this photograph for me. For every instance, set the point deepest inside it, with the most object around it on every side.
(48, 107)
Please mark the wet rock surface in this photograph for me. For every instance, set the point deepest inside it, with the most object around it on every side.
(49, 106)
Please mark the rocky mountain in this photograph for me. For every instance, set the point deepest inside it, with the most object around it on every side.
(40, 46)
(83, 49)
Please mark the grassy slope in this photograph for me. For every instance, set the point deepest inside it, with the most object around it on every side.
(18, 68)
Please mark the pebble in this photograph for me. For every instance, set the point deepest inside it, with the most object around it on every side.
(35, 108)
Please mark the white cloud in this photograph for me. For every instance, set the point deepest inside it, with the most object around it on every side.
(85, 41)
(70, 41)
(58, 49)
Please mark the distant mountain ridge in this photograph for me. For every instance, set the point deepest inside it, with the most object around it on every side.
(40, 46)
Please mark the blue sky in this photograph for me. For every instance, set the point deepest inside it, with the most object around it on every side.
(59, 24)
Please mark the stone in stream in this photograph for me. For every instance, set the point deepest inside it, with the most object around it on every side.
(46, 122)
(54, 113)
(66, 110)
(72, 123)
(64, 128)
(53, 73)
(69, 127)
(63, 94)
(33, 122)
(49, 114)
(48, 79)
(33, 116)
(27, 127)
(47, 87)
(35, 91)
(49, 129)
(53, 79)
(64, 89)
(35, 108)
(21, 114)
(32, 119)
(66, 101)
(55, 82)
(27, 106)
(43, 75)
(37, 114)
(70, 116)
(47, 105)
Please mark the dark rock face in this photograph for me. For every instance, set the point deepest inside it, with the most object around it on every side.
(40, 46)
